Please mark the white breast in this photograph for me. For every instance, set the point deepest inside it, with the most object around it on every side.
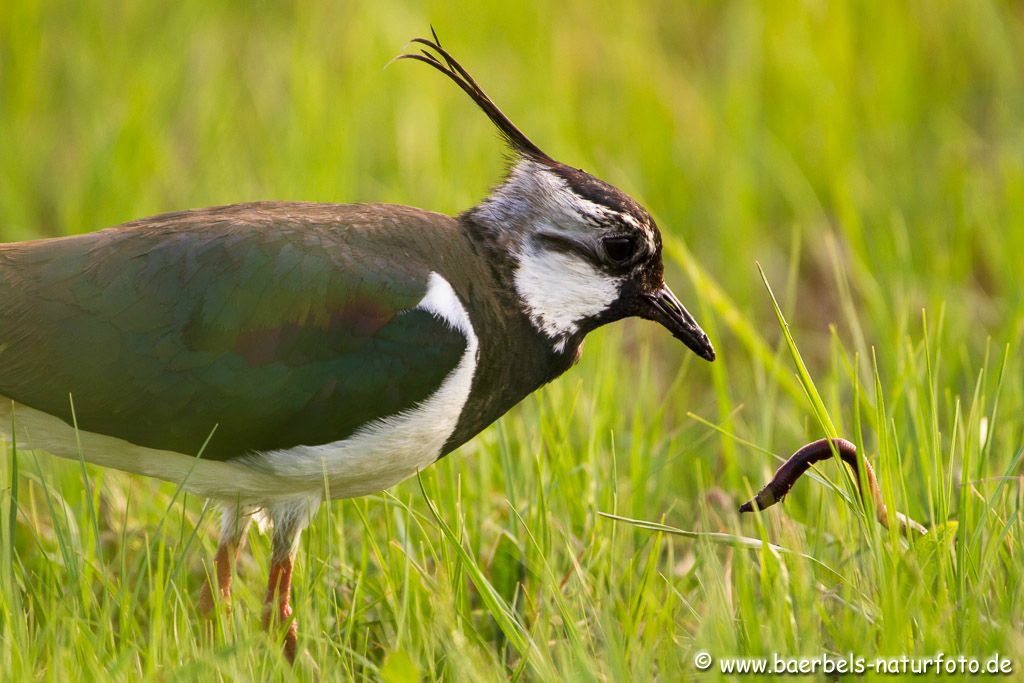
(388, 450)
(375, 457)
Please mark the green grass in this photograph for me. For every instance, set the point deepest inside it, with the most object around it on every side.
(870, 155)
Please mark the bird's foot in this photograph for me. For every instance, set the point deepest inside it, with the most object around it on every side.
(274, 620)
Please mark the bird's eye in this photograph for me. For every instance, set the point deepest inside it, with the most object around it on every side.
(620, 248)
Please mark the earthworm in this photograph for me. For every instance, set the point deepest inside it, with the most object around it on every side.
(798, 463)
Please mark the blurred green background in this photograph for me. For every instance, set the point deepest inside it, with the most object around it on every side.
(884, 135)
(870, 155)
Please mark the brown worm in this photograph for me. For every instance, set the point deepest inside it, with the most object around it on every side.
(798, 463)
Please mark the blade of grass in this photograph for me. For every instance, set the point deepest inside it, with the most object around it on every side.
(516, 634)
(811, 393)
(721, 538)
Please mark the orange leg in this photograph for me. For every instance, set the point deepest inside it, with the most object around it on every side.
(290, 518)
(222, 564)
(234, 524)
(276, 608)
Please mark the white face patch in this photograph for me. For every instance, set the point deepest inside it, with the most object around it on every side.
(559, 290)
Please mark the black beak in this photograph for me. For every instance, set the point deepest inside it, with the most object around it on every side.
(664, 307)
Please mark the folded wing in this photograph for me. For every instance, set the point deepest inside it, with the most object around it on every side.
(264, 325)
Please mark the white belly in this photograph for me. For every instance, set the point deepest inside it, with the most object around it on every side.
(376, 456)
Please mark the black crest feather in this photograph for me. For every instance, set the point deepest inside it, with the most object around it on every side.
(455, 71)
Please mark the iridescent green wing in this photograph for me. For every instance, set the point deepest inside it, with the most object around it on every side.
(278, 329)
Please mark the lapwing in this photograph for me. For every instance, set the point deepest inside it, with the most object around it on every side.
(274, 355)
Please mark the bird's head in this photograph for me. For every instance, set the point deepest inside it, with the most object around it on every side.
(584, 252)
